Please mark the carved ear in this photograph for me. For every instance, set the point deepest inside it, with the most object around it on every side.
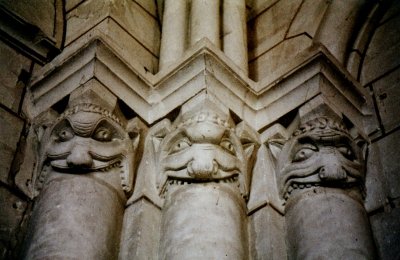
(249, 139)
(275, 146)
(159, 133)
(363, 145)
(146, 182)
(134, 129)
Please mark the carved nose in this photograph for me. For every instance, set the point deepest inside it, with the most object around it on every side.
(201, 169)
(332, 172)
(79, 157)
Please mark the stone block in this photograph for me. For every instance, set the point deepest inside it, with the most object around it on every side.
(383, 52)
(149, 6)
(309, 17)
(70, 4)
(10, 130)
(128, 14)
(259, 6)
(386, 229)
(267, 235)
(141, 231)
(390, 159)
(11, 215)
(10, 70)
(394, 10)
(40, 13)
(387, 92)
(268, 29)
(376, 186)
(280, 55)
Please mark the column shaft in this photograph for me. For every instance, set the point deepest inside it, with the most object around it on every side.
(174, 31)
(205, 21)
(235, 33)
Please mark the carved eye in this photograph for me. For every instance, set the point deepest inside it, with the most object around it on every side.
(102, 134)
(227, 145)
(304, 153)
(346, 152)
(65, 134)
(181, 145)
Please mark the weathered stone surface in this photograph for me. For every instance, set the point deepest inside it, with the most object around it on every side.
(141, 231)
(11, 215)
(325, 223)
(149, 6)
(386, 230)
(280, 55)
(141, 25)
(375, 183)
(270, 243)
(308, 18)
(258, 6)
(37, 12)
(267, 29)
(85, 167)
(69, 4)
(196, 171)
(10, 70)
(321, 176)
(390, 154)
(392, 11)
(201, 180)
(383, 51)
(336, 29)
(387, 94)
(10, 131)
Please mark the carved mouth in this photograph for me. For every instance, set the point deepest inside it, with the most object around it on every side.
(297, 186)
(62, 166)
(232, 179)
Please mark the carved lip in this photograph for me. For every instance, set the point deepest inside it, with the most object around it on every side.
(62, 166)
(314, 181)
(185, 174)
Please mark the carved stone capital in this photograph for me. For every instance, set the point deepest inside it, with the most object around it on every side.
(88, 138)
(204, 146)
(320, 152)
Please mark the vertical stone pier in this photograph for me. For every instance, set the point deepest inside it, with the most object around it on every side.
(321, 176)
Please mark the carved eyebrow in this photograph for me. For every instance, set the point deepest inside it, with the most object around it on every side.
(104, 122)
(171, 140)
(334, 139)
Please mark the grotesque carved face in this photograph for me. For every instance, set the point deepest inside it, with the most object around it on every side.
(204, 148)
(86, 139)
(320, 153)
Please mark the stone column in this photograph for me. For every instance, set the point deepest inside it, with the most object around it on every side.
(321, 177)
(203, 179)
(235, 32)
(206, 220)
(205, 21)
(87, 161)
(174, 31)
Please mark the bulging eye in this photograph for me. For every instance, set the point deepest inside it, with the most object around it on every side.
(102, 134)
(65, 134)
(346, 152)
(180, 145)
(304, 153)
(227, 145)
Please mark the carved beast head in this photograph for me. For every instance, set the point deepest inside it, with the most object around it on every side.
(204, 147)
(320, 153)
(87, 138)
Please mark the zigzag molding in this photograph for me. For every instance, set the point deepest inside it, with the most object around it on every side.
(203, 68)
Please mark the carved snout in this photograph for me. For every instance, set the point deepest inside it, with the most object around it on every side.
(80, 157)
(332, 171)
(202, 168)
